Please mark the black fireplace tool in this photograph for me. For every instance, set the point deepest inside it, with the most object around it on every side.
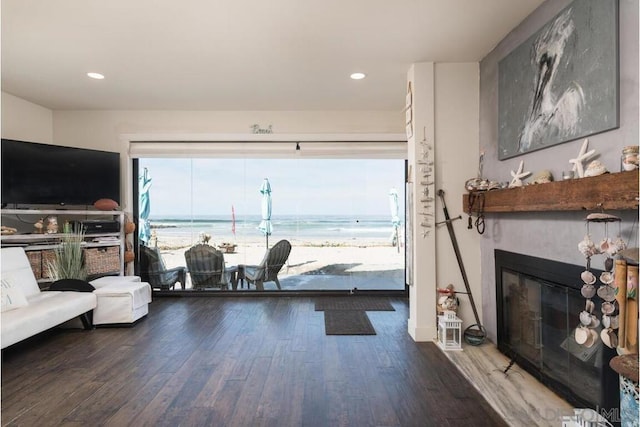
(474, 334)
(512, 362)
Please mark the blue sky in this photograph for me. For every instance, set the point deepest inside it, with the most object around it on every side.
(299, 186)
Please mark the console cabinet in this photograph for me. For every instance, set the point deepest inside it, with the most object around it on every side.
(103, 250)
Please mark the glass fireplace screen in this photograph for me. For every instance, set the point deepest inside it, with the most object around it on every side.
(538, 309)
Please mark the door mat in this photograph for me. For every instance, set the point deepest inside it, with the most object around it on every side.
(347, 322)
(353, 303)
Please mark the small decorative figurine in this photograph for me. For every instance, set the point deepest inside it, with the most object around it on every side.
(52, 225)
(542, 177)
(583, 155)
(595, 168)
(517, 176)
(39, 226)
(447, 300)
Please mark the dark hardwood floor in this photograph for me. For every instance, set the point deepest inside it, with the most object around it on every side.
(237, 362)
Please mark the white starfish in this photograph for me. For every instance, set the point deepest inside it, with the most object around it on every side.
(517, 176)
(583, 155)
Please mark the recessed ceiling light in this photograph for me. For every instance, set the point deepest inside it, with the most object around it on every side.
(358, 76)
(96, 76)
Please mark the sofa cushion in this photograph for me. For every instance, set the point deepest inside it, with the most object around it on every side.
(12, 296)
(45, 310)
(76, 285)
(101, 282)
(15, 263)
(138, 292)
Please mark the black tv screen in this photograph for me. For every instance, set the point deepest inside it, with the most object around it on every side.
(35, 174)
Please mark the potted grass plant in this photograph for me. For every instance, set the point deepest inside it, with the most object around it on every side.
(68, 260)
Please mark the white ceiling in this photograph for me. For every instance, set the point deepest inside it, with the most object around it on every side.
(238, 54)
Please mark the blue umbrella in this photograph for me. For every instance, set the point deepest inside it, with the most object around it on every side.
(144, 183)
(265, 225)
(395, 217)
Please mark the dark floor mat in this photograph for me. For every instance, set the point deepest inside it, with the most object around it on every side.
(347, 322)
(353, 303)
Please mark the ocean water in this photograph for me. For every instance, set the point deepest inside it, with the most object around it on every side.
(316, 227)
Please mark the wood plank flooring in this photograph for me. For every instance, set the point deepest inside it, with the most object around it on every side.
(234, 361)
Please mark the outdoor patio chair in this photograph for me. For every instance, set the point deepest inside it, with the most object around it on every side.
(153, 270)
(206, 266)
(268, 269)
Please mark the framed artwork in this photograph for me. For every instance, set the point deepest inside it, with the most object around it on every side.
(562, 83)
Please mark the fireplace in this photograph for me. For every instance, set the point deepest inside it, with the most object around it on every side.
(538, 303)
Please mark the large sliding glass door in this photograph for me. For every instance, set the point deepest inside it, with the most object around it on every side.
(336, 214)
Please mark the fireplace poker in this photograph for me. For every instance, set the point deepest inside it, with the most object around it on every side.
(471, 336)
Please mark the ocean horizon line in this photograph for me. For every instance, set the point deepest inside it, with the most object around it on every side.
(311, 226)
(228, 217)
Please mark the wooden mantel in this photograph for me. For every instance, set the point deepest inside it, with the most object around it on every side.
(611, 191)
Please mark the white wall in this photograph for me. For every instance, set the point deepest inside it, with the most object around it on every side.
(446, 112)
(106, 130)
(422, 295)
(25, 121)
(457, 114)
(102, 129)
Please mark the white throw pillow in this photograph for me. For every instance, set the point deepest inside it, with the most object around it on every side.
(12, 296)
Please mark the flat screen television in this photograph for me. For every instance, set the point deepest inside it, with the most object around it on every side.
(44, 174)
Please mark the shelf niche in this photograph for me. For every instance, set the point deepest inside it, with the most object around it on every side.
(611, 191)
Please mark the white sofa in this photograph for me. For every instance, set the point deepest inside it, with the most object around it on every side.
(26, 310)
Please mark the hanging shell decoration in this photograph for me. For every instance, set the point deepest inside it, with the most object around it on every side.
(587, 247)
(609, 308)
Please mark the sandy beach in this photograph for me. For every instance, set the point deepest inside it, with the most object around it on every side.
(312, 264)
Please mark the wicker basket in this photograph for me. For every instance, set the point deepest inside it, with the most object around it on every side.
(102, 260)
(48, 256)
(35, 259)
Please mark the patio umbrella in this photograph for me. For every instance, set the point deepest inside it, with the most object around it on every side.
(395, 218)
(145, 207)
(233, 222)
(265, 225)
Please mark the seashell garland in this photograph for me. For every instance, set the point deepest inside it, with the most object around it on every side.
(585, 333)
(588, 277)
(606, 277)
(607, 293)
(587, 247)
(588, 291)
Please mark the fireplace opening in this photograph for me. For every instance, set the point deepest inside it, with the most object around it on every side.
(538, 306)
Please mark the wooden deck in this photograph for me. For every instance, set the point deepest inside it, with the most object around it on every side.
(234, 361)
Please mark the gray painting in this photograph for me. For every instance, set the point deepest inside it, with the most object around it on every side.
(562, 83)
